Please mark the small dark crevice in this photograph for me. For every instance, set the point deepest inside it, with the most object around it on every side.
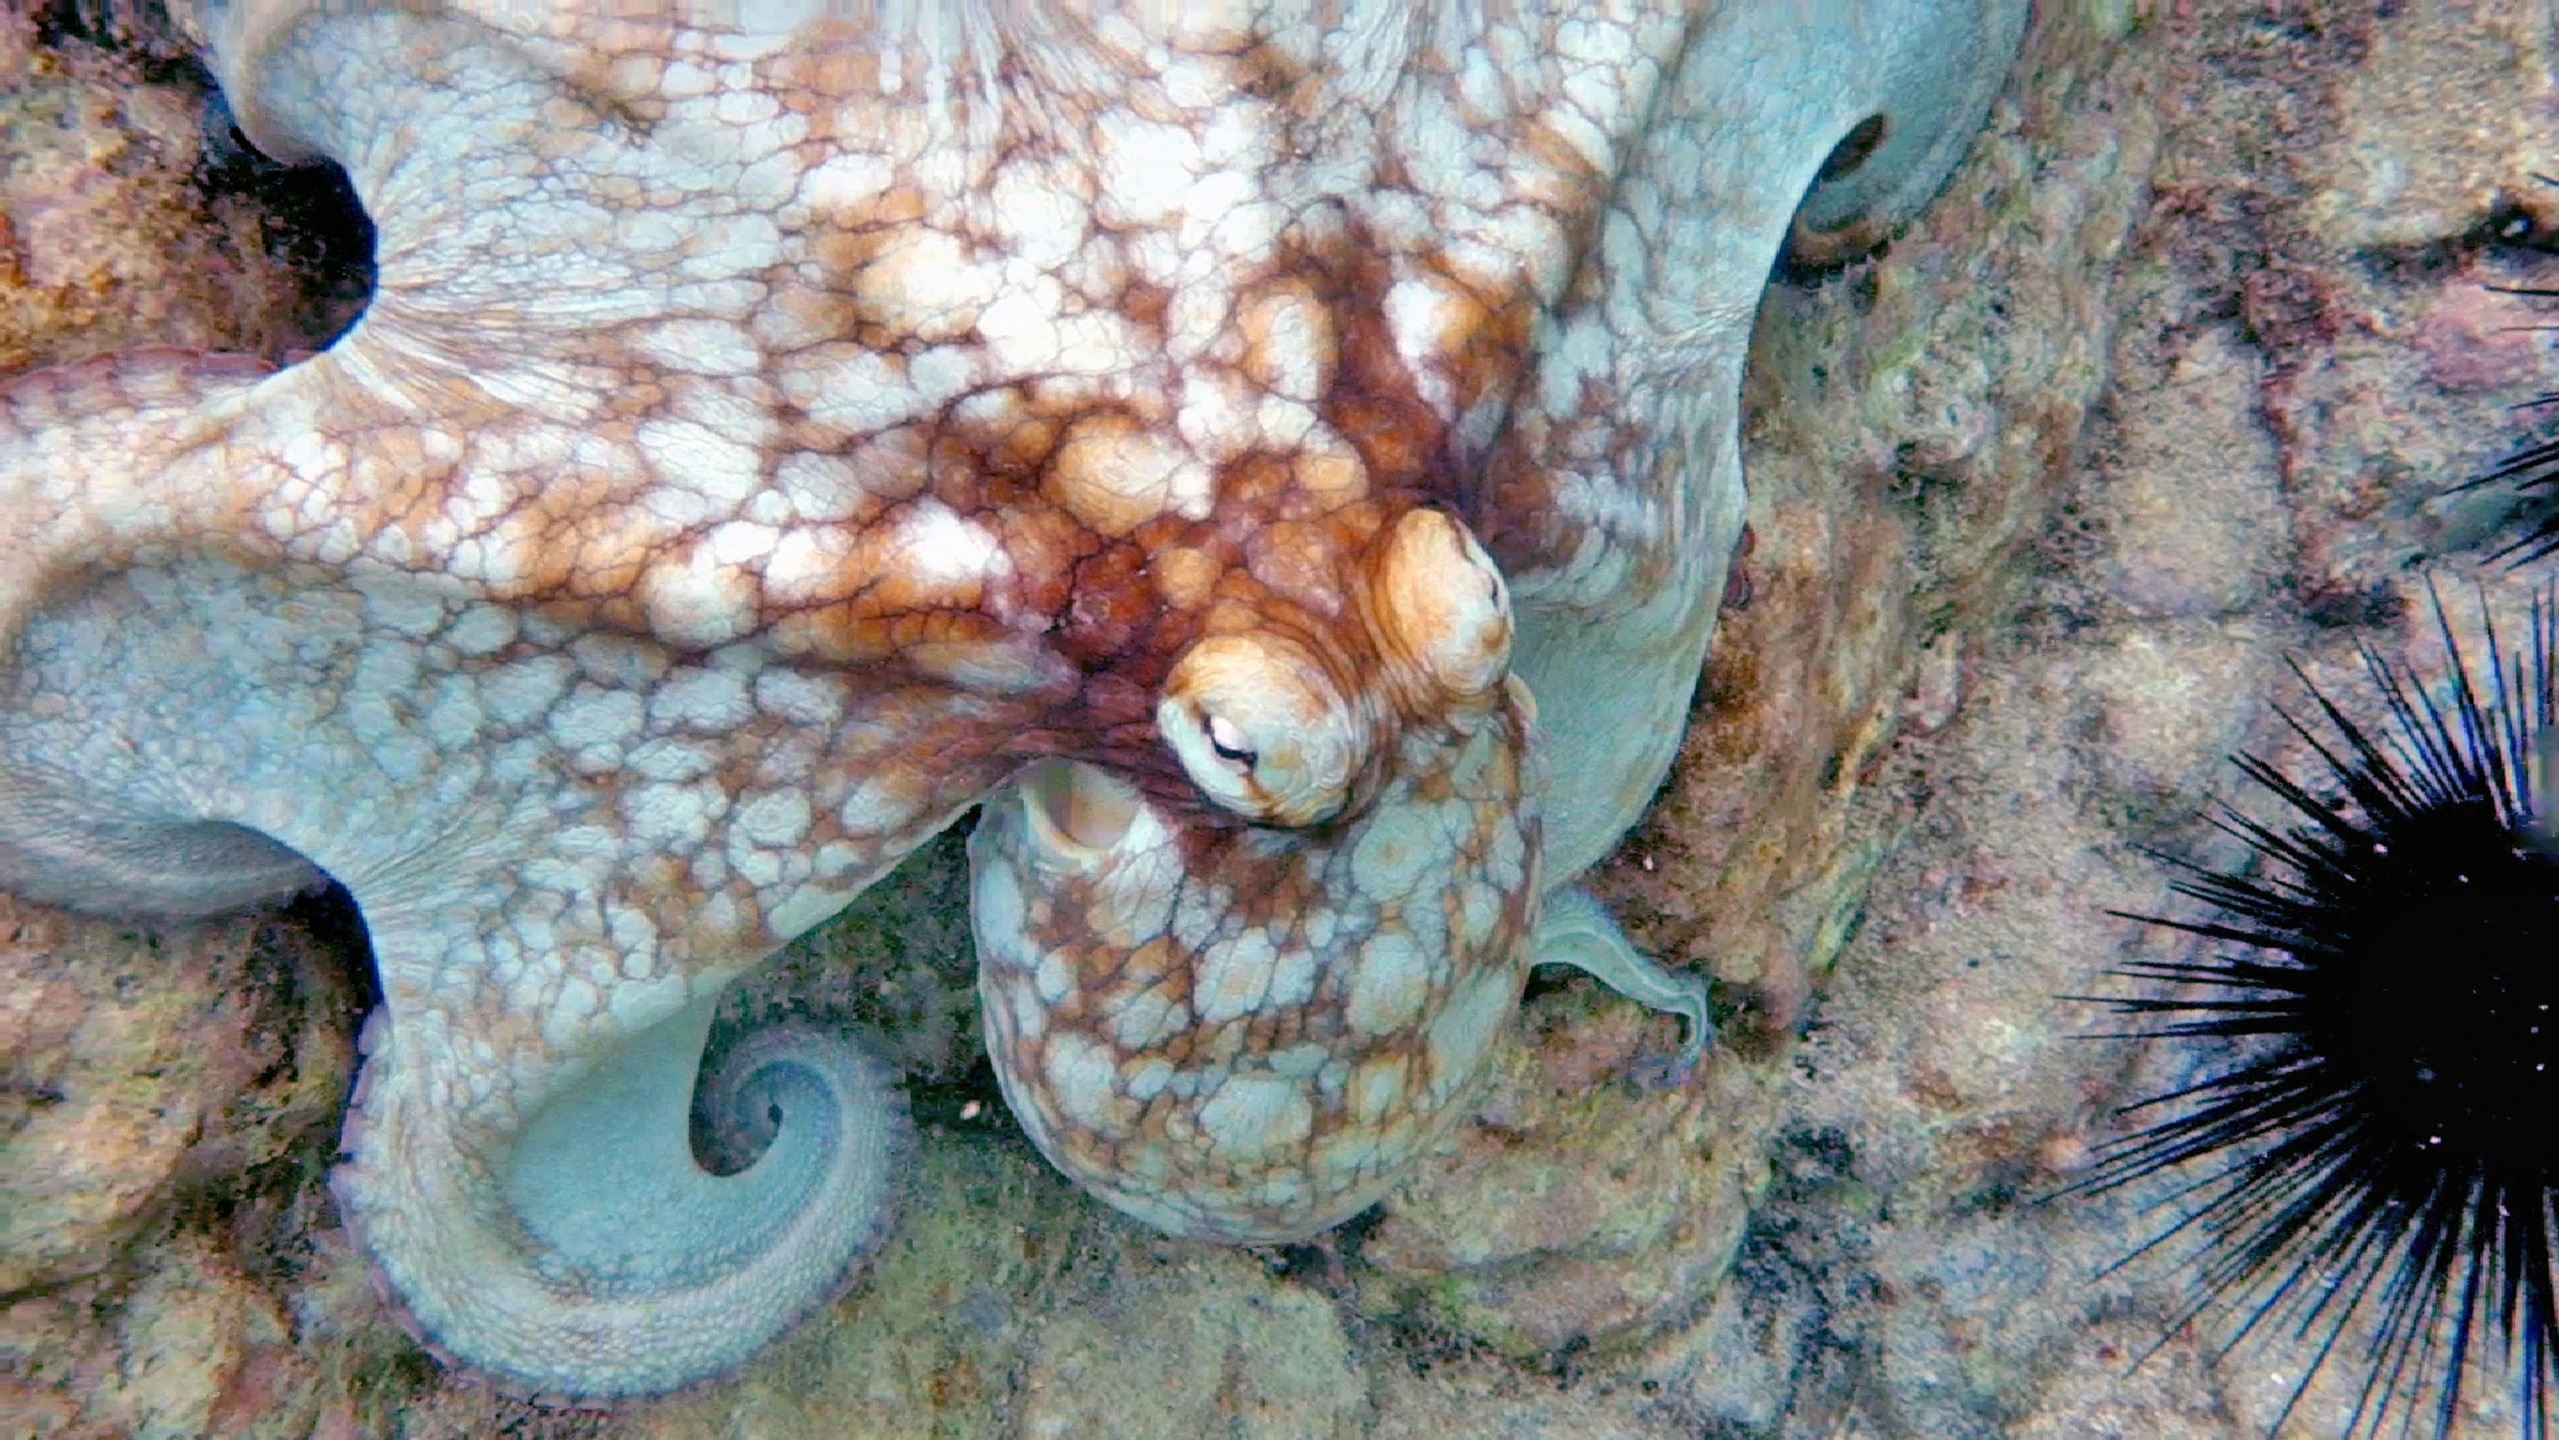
(314, 222)
(1855, 148)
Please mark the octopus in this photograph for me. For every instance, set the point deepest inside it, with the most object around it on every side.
(1279, 464)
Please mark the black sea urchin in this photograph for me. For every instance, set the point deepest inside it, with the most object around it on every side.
(2384, 1145)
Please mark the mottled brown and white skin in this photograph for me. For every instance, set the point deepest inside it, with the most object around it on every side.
(1271, 461)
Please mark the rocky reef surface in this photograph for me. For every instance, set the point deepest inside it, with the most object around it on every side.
(2160, 395)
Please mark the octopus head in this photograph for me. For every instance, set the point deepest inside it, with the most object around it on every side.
(1269, 728)
(1249, 1033)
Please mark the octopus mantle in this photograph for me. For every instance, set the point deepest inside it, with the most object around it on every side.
(1283, 471)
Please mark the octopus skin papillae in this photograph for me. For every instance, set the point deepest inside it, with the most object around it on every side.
(1281, 466)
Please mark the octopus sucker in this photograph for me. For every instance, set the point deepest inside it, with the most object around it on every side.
(601, 623)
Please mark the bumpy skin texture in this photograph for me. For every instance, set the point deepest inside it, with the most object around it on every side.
(761, 446)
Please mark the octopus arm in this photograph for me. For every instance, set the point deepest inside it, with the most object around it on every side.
(1824, 130)
(593, 1257)
(185, 734)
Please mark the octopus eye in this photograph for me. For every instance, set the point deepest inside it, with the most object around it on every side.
(1227, 742)
(1262, 730)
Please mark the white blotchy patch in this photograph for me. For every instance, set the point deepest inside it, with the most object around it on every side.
(1146, 1079)
(881, 804)
(1251, 1118)
(742, 542)
(926, 284)
(942, 372)
(480, 630)
(1298, 349)
(671, 819)
(1139, 1024)
(936, 546)
(759, 868)
(806, 566)
(383, 672)
(1053, 978)
(637, 1004)
(453, 717)
(698, 602)
(775, 818)
(1147, 168)
(700, 698)
(1016, 666)
(1234, 978)
(1377, 1088)
(744, 107)
(737, 245)
(701, 347)
(1417, 313)
(493, 560)
(1079, 1079)
(1034, 221)
(667, 760)
(696, 458)
(1020, 333)
(845, 180)
(1480, 906)
(595, 717)
(616, 661)
(400, 605)
(863, 391)
(995, 905)
(1394, 853)
(1219, 417)
(635, 935)
(816, 701)
(1292, 978)
(1249, 231)
(519, 693)
(1299, 1061)
(1388, 985)
(1280, 1191)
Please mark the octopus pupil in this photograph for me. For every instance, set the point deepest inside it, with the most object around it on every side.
(1228, 745)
